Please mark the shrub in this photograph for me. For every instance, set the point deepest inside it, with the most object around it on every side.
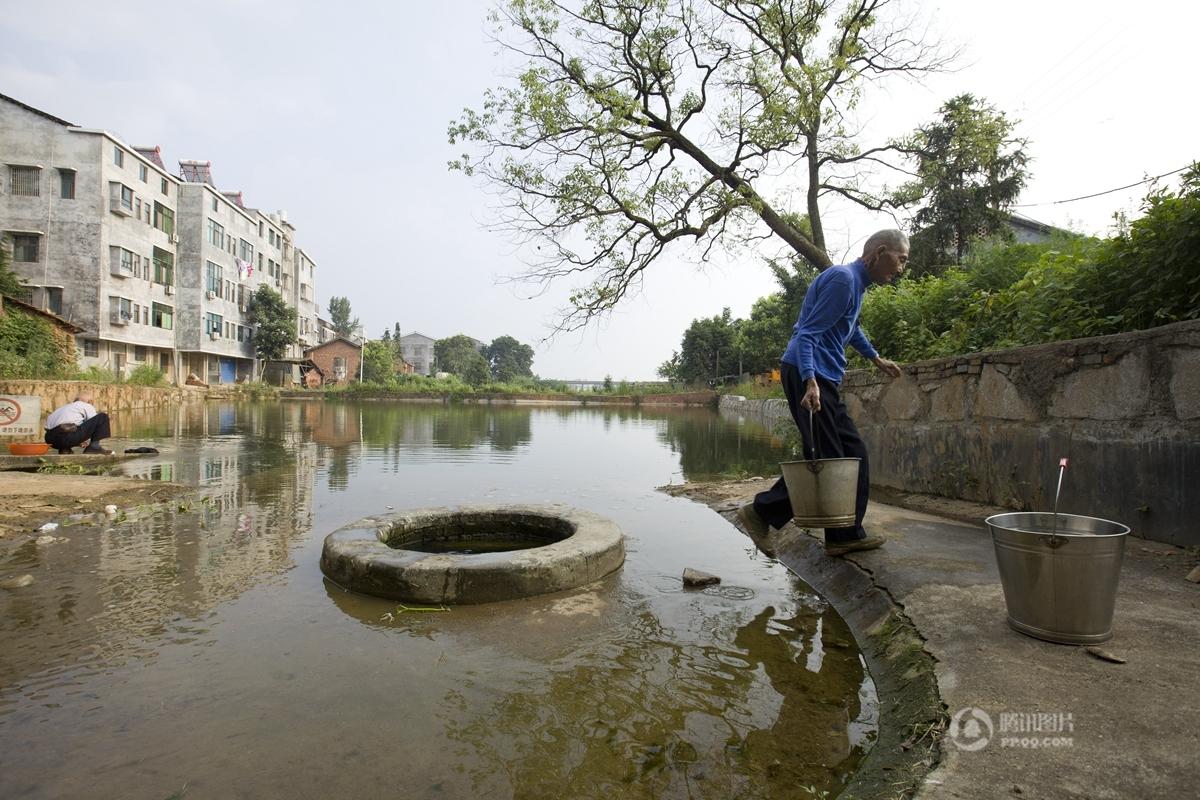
(146, 375)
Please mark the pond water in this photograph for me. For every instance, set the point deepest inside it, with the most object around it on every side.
(198, 651)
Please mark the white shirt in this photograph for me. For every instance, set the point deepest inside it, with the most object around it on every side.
(74, 413)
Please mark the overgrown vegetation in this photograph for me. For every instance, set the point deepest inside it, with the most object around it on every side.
(146, 375)
(452, 386)
(1011, 295)
(1002, 295)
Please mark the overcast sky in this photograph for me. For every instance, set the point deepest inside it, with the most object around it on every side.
(337, 113)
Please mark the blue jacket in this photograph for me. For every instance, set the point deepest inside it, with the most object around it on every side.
(828, 322)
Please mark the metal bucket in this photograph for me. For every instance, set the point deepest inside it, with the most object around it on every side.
(822, 491)
(1060, 581)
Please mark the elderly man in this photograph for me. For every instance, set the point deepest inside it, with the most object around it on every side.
(812, 369)
(76, 423)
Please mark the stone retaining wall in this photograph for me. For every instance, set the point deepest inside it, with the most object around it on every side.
(991, 427)
(115, 396)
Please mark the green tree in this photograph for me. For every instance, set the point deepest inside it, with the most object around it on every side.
(379, 362)
(387, 335)
(970, 168)
(339, 316)
(636, 125)
(509, 359)
(708, 351)
(458, 356)
(764, 336)
(274, 324)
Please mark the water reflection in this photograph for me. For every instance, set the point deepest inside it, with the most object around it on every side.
(200, 645)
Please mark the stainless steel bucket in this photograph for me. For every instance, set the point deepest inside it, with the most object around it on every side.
(1060, 580)
(822, 491)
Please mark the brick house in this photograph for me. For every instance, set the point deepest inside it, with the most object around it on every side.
(61, 330)
(337, 360)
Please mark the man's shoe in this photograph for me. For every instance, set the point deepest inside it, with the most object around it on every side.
(754, 524)
(842, 548)
(96, 451)
(66, 451)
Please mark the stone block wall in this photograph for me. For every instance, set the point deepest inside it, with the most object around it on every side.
(109, 396)
(990, 427)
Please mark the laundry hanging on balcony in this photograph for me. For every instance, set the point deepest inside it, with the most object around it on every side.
(245, 269)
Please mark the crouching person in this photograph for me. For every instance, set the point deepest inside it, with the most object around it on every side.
(76, 423)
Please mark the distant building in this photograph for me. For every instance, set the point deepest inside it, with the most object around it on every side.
(152, 267)
(337, 360)
(1030, 231)
(417, 349)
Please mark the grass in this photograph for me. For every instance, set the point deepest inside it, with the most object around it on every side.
(417, 385)
(754, 391)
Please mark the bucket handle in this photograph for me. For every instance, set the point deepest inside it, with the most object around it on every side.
(814, 464)
(1062, 470)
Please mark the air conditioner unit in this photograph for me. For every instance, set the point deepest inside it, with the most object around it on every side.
(173, 238)
(116, 318)
(168, 289)
(210, 295)
(214, 335)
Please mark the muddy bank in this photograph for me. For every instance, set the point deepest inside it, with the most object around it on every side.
(29, 500)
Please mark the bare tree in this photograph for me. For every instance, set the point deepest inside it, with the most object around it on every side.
(638, 124)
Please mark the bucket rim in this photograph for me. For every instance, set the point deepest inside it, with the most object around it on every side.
(1123, 532)
(810, 460)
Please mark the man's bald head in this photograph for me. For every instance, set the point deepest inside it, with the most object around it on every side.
(885, 254)
(890, 238)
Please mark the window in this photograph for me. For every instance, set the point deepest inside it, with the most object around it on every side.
(118, 156)
(241, 333)
(54, 299)
(164, 267)
(216, 234)
(228, 330)
(120, 310)
(212, 324)
(142, 173)
(25, 181)
(137, 314)
(91, 348)
(66, 184)
(164, 187)
(164, 219)
(246, 252)
(139, 353)
(214, 203)
(339, 364)
(271, 236)
(124, 263)
(260, 229)
(260, 262)
(137, 207)
(25, 247)
(162, 316)
(120, 198)
(213, 279)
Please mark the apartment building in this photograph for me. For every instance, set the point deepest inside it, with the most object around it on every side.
(417, 349)
(155, 268)
(91, 223)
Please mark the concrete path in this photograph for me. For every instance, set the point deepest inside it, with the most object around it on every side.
(1127, 730)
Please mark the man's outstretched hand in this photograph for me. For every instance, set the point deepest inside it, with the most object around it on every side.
(887, 367)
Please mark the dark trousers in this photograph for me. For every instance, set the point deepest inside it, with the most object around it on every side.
(836, 437)
(91, 431)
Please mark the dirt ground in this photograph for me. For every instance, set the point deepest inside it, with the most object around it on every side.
(28, 500)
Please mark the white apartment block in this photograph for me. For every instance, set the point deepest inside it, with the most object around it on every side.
(156, 268)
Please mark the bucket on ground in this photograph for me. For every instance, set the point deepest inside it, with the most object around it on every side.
(1059, 573)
